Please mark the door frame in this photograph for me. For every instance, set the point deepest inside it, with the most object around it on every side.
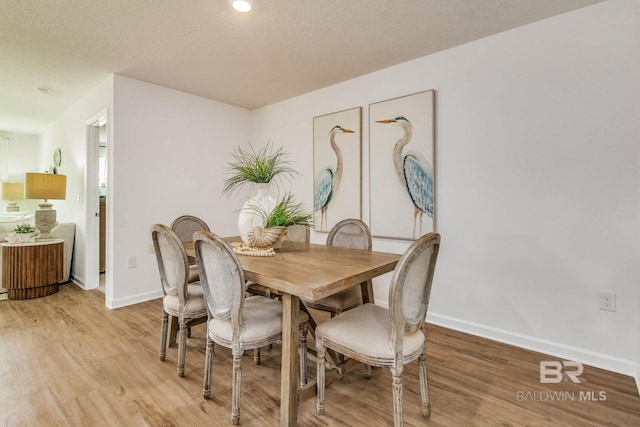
(92, 206)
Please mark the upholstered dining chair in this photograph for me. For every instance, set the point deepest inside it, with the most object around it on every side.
(235, 321)
(184, 226)
(400, 334)
(183, 301)
(348, 233)
(295, 233)
(298, 233)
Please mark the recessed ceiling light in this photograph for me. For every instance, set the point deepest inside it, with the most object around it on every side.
(41, 90)
(241, 5)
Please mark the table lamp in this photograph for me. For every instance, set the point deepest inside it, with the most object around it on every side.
(45, 186)
(12, 191)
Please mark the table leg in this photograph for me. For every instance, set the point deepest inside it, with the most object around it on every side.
(367, 292)
(289, 373)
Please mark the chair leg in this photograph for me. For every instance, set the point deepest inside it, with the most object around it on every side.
(182, 347)
(208, 366)
(235, 383)
(339, 357)
(256, 356)
(367, 371)
(396, 373)
(302, 351)
(320, 350)
(173, 331)
(163, 338)
(424, 385)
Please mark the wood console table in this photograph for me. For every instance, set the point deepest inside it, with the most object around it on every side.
(32, 270)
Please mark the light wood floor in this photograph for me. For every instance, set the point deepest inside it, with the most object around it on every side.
(66, 360)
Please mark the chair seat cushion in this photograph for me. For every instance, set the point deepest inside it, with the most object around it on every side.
(195, 306)
(262, 322)
(339, 302)
(366, 330)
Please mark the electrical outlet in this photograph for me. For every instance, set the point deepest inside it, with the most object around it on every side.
(152, 249)
(131, 262)
(607, 301)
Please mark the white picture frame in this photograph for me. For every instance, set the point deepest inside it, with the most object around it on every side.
(402, 166)
(337, 167)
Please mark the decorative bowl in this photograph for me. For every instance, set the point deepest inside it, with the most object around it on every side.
(260, 237)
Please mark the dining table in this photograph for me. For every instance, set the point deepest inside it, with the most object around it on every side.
(309, 271)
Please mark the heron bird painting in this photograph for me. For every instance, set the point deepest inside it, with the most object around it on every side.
(414, 172)
(328, 179)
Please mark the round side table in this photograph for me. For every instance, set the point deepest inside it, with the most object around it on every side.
(33, 269)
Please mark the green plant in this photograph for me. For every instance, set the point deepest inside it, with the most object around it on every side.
(24, 229)
(286, 212)
(259, 167)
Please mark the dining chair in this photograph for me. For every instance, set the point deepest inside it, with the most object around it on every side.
(298, 233)
(400, 333)
(348, 233)
(184, 226)
(295, 233)
(182, 300)
(235, 321)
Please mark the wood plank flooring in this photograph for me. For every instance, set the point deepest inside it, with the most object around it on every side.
(66, 360)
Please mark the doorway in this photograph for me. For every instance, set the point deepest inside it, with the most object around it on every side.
(102, 192)
(96, 193)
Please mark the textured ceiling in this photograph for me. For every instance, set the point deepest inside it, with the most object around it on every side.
(281, 49)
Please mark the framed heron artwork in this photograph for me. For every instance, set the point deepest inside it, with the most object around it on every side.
(401, 166)
(337, 165)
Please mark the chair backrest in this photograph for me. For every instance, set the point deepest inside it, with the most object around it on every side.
(184, 226)
(222, 278)
(350, 233)
(173, 264)
(411, 287)
(298, 233)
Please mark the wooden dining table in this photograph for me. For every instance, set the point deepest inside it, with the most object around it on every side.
(309, 271)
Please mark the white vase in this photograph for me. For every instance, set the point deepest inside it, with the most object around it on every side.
(249, 216)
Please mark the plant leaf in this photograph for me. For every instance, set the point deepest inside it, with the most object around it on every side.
(263, 166)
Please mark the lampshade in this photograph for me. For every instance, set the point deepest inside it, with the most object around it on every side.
(12, 191)
(45, 186)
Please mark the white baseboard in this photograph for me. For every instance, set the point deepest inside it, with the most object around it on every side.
(590, 358)
(78, 282)
(123, 302)
(134, 299)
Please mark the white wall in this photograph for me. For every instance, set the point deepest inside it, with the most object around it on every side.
(69, 133)
(169, 153)
(18, 154)
(537, 179)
